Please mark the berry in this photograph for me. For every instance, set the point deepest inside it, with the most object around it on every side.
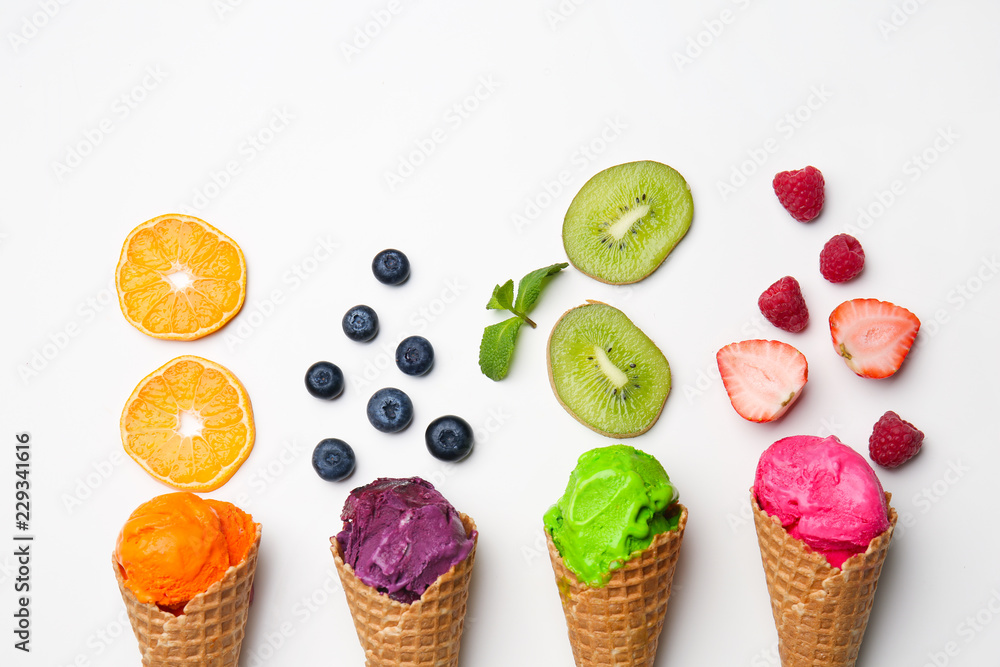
(873, 336)
(800, 192)
(324, 380)
(762, 377)
(893, 441)
(391, 267)
(449, 438)
(390, 410)
(841, 258)
(360, 323)
(414, 355)
(333, 459)
(783, 305)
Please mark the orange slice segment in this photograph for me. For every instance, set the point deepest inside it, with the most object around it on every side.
(180, 278)
(189, 424)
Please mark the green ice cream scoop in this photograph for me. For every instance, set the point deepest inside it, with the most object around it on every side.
(617, 500)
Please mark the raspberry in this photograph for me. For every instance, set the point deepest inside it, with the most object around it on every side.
(800, 192)
(783, 306)
(841, 258)
(893, 441)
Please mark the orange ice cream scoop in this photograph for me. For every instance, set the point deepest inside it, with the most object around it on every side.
(171, 548)
(238, 527)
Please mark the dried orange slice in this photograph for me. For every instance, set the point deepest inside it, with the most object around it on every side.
(180, 278)
(189, 424)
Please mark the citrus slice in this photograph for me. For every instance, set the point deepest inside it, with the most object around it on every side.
(189, 424)
(180, 278)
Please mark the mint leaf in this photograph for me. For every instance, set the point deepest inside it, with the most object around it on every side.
(503, 297)
(497, 348)
(531, 285)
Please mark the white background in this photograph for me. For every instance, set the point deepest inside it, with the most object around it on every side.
(157, 101)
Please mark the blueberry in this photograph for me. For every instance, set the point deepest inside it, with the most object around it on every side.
(390, 410)
(449, 438)
(324, 380)
(333, 459)
(360, 323)
(414, 355)
(391, 267)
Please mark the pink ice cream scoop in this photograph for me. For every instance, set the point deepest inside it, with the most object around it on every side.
(824, 493)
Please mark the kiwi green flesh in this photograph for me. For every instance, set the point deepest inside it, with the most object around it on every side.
(625, 221)
(606, 372)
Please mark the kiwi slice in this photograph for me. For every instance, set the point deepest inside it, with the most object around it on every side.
(625, 221)
(606, 372)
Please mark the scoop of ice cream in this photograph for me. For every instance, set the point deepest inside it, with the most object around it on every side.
(400, 535)
(177, 545)
(238, 527)
(617, 500)
(824, 493)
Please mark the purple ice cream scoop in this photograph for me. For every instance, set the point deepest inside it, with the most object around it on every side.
(400, 535)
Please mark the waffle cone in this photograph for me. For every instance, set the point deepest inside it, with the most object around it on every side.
(820, 612)
(210, 631)
(620, 623)
(427, 632)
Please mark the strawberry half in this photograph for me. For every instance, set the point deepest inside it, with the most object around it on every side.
(762, 377)
(873, 336)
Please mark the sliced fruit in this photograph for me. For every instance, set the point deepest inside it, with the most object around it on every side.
(625, 221)
(180, 278)
(606, 372)
(873, 336)
(762, 377)
(189, 424)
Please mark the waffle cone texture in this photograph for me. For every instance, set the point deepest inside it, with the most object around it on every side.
(210, 631)
(620, 622)
(820, 612)
(425, 633)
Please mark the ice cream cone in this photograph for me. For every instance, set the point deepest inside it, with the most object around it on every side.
(210, 631)
(820, 612)
(427, 632)
(620, 623)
